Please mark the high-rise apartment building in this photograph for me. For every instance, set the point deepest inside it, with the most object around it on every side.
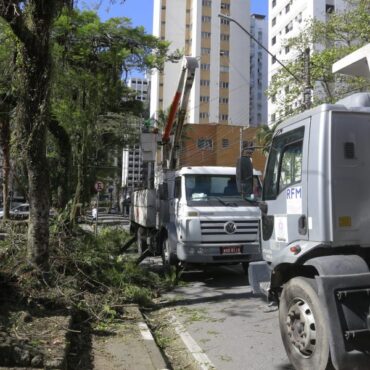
(141, 86)
(221, 88)
(287, 18)
(258, 71)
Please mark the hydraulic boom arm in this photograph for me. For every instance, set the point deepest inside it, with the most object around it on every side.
(179, 105)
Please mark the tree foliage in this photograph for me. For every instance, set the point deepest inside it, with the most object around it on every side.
(90, 98)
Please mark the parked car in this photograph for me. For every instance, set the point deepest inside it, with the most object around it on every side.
(21, 212)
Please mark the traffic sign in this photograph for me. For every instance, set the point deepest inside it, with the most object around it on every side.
(99, 186)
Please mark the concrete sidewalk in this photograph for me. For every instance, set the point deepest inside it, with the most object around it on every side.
(131, 348)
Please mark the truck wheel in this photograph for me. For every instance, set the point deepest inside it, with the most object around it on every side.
(142, 245)
(302, 326)
(168, 258)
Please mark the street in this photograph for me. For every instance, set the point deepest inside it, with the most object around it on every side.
(231, 327)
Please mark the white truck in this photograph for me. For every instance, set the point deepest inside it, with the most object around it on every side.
(198, 217)
(192, 214)
(316, 230)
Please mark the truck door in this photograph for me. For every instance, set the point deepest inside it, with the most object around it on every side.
(284, 218)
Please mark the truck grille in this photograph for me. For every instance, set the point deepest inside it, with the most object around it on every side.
(242, 231)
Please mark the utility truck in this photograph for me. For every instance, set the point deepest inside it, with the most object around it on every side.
(193, 214)
(316, 230)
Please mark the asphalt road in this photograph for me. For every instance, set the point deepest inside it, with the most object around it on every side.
(231, 326)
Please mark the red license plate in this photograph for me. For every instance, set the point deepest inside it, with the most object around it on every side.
(231, 250)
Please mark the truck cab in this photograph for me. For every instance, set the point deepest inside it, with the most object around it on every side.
(211, 223)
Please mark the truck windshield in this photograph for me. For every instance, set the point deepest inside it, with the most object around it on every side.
(216, 190)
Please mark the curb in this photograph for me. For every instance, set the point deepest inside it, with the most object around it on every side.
(131, 347)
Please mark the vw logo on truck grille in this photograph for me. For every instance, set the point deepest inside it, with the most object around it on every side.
(230, 227)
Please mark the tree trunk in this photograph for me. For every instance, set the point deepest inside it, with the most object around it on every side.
(31, 24)
(32, 116)
(5, 148)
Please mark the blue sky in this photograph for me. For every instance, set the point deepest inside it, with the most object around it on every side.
(140, 11)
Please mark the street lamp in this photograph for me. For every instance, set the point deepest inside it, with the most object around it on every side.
(307, 83)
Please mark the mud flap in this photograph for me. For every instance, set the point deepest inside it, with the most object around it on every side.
(346, 303)
(259, 276)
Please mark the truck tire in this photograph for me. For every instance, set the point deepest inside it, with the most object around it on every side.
(142, 245)
(168, 257)
(302, 326)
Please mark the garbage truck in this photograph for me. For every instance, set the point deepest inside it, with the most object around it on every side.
(316, 230)
(192, 214)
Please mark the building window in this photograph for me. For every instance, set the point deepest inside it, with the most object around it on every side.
(273, 40)
(287, 8)
(223, 100)
(273, 22)
(206, 35)
(224, 85)
(224, 69)
(204, 82)
(205, 144)
(225, 143)
(225, 6)
(289, 27)
(224, 37)
(224, 53)
(203, 115)
(273, 3)
(207, 3)
(206, 18)
(206, 51)
(205, 66)
(204, 99)
(225, 21)
(329, 8)
(224, 117)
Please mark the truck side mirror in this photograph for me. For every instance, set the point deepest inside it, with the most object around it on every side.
(244, 175)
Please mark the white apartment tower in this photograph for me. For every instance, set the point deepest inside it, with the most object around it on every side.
(132, 168)
(141, 86)
(287, 18)
(221, 86)
(258, 71)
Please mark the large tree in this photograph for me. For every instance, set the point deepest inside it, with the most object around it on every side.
(90, 99)
(31, 22)
(342, 32)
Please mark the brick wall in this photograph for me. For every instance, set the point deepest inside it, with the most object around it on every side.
(217, 145)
